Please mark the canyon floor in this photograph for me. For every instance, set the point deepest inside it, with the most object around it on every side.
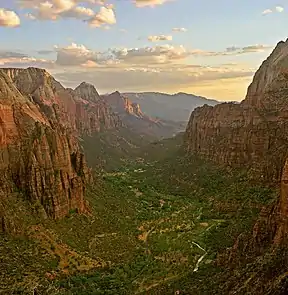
(155, 227)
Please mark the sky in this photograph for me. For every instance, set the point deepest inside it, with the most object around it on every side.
(205, 47)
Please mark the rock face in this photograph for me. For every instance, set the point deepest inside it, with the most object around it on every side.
(172, 107)
(40, 121)
(253, 134)
(132, 116)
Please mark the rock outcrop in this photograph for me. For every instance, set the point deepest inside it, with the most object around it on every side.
(137, 121)
(252, 135)
(40, 122)
(169, 107)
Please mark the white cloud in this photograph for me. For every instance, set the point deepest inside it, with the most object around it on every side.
(9, 18)
(179, 30)
(279, 9)
(160, 38)
(267, 11)
(106, 16)
(276, 9)
(73, 55)
(144, 3)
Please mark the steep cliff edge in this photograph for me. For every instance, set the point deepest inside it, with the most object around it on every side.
(40, 122)
(252, 135)
(39, 158)
(81, 110)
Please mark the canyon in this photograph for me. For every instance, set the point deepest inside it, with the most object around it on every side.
(41, 125)
(220, 187)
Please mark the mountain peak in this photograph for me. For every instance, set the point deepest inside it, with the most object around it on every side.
(87, 91)
(272, 74)
(30, 71)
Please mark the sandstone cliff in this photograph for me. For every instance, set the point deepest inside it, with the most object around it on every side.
(252, 135)
(133, 117)
(40, 121)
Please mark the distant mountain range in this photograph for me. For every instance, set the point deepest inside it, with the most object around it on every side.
(173, 107)
(141, 122)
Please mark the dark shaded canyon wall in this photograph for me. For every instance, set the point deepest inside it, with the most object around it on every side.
(252, 135)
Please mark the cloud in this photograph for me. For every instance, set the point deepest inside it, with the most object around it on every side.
(276, 9)
(78, 55)
(279, 9)
(11, 54)
(105, 16)
(61, 9)
(179, 30)
(9, 18)
(150, 55)
(150, 78)
(255, 48)
(78, 12)
(159, 38)
(247, 49)
(153, 67)
(45, 52)
(152, 3)
(20, 62)
(73, 55)
(156, 68)
(267, 11)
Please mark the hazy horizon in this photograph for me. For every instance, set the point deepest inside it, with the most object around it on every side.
(164, 46)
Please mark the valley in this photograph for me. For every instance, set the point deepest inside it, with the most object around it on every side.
(97, 197)
(147, 230)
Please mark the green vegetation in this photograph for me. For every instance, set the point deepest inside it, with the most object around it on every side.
(148, 219)
(155, 226)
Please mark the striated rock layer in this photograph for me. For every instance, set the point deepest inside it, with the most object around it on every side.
(251, 135)
(40, 121)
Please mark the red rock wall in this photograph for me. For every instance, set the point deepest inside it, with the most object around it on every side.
(40, 121)
(252, 135)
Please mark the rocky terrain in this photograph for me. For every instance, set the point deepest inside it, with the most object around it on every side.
(252, 136)
(136, 120)
(204, 212)
(40, 124)
(172, 107)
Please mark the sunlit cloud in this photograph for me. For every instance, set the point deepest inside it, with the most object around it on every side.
(105, 16)
(9, 18)
(54, 10)
(151, 3)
